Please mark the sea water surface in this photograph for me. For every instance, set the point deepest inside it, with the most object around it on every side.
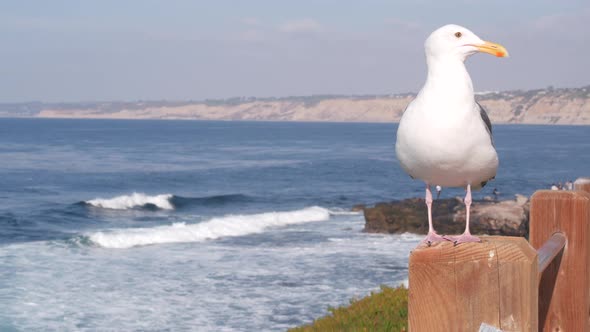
(215, 226)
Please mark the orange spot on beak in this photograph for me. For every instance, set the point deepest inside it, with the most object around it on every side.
(492, 48)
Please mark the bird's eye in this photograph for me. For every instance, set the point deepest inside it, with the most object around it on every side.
(458, 34)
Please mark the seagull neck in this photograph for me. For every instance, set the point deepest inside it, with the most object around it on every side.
(449, 75)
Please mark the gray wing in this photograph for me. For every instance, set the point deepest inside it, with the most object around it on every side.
(486, 121)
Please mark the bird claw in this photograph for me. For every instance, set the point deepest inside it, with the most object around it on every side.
(463, 238)
(432, 237)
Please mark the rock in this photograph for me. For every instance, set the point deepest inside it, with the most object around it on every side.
(508, 218)
(521, 199)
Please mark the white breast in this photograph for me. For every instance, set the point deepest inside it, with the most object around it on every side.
(445, 143)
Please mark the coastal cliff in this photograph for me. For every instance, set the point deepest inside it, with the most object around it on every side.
(545, 106)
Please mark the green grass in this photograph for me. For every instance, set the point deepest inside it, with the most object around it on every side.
(386, 310)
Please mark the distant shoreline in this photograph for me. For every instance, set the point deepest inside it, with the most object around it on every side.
(541, 107)
(268, 121)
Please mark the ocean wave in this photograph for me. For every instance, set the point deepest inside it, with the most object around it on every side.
(343, 212)
(162, 201)
(180, 202)
(134, 200)
(227, 226)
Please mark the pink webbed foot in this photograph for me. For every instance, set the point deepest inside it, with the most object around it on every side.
(432, 237)
(463, 238)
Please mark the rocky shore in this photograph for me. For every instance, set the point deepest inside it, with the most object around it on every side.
(509, 217)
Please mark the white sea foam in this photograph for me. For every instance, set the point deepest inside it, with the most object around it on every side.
(231, 225)
(169, 287)
(343, 212)
(405, 283)
(134, 200)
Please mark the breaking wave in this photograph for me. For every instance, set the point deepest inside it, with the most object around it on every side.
(163, 201)
(343, 212)
(134, 200)
(180, 202)
(231, 225)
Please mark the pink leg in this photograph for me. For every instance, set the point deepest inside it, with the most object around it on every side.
(466, 236)
(431, 236)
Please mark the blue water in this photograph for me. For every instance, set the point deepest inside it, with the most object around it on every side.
(215, 226)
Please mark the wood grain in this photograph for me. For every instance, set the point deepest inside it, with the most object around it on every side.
(457, 288)
(564, 290)
(582, 184)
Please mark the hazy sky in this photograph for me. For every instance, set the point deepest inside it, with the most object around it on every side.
(140, 49)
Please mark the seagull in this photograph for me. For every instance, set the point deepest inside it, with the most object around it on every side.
(444, 136)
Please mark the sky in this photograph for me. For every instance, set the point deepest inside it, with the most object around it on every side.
(72, 50)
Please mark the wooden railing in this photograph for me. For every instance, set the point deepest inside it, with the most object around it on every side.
(507, 283)
(549, 250)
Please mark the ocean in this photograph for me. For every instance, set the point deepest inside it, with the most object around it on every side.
(110, 225)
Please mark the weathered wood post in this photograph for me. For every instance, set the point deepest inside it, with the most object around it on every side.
(504, 281)
(457, 288)
(564, 290)
(582, 184)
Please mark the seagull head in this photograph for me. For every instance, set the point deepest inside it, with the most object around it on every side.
(458, 42)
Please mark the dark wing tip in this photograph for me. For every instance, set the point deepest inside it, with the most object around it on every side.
(486, 120)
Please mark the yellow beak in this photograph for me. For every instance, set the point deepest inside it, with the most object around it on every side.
(493, 49)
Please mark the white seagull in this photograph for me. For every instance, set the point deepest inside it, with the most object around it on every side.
(444, 136)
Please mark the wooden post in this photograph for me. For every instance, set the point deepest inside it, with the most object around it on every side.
(550, 250)
(564, 289)
(457, 288)
(582, 184)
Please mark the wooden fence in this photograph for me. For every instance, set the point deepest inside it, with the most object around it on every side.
(507, 283)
